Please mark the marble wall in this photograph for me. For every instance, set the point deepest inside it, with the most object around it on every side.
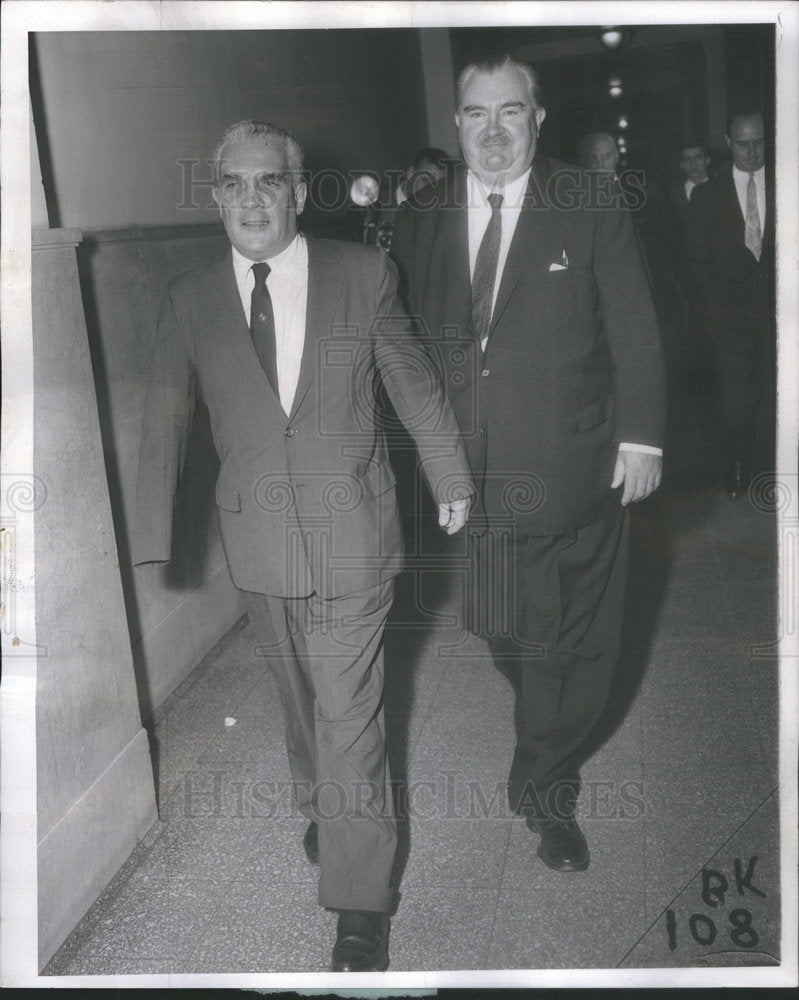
(95, 794)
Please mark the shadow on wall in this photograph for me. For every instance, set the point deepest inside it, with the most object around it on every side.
(175, 612)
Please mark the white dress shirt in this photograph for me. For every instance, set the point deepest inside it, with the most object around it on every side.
(479, 215)
(287, 282)
(741, 178)
(689, 186)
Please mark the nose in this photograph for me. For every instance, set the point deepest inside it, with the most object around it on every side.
(493, 126)
(251, 196)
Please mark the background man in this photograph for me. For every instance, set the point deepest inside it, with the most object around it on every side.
(695, 165)
(558, 387)
(731, 256)
(288, 368)
(695, 362)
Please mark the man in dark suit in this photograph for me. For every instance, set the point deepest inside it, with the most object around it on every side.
(289, 369)
(731, 259)
(695, 164)
(551, 357)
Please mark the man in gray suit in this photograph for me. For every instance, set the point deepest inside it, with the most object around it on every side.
(289, 368)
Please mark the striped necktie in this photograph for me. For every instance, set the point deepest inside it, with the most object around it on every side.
(485, 270)
(262, 324)
(754, 234)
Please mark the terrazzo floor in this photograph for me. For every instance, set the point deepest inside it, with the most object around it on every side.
(679, 803)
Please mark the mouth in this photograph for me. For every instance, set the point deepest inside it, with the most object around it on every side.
(255, 223)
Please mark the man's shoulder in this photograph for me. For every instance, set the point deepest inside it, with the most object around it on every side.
(199, 275)
(714, 190)
(346, 257)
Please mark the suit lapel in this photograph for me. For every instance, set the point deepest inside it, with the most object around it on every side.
(325, 284)
(451, 247)
(533, 230)
(225, 321)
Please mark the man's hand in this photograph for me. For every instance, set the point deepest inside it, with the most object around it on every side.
(640, 472)
(452, 516)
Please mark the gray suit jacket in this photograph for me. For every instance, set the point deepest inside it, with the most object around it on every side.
(306, 502)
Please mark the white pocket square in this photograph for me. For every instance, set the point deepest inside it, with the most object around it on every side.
(558, 267)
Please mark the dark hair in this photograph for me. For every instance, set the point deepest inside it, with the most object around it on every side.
(430, 154)
(693, 143)
(490, 64)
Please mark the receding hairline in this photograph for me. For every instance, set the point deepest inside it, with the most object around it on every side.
(491, 65)
(269, 136)
(738, 115)
(592, 139)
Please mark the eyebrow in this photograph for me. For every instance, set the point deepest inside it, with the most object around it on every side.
(482, 107)
(277, 175)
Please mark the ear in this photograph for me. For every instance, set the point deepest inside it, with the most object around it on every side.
(215, 196)
(540, 115)
(457, 120)
(727, 139)
(300, 194)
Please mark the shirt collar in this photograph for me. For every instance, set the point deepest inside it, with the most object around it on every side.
(242, 264)
(513, 193)
(744, 174)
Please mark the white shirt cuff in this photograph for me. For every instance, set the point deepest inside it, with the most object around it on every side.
(648, 449)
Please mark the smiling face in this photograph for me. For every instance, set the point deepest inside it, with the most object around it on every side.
(258, 199)
(498, 124)
(747, 143)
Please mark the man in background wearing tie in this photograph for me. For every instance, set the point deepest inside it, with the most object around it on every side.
(730, 250)
(539, 306)
(287, 338)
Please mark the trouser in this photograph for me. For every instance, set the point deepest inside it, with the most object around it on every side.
(327, 659)
(566, 594)
(739, 379)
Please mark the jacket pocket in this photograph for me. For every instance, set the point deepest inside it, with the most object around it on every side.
(595, 413)
(227, 496)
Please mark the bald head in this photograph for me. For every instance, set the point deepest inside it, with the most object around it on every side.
(598, 151)
(746, 139)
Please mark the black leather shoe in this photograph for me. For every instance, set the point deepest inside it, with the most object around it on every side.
(361, 942)
(736, 480)
(311, 843)
(563, 846)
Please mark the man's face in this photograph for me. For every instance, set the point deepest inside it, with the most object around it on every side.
(747, 143)
(694, 162)
(602, 155)
(258, 200)
(498, 125)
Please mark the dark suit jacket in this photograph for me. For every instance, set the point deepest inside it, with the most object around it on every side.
(306, 502)
(573, 363)
(736, 290)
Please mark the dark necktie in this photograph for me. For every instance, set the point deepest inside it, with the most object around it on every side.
(485, 270)
(262, 324)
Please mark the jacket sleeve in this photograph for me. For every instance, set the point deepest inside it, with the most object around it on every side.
(631, 331)
(169, 405)
(411, 379)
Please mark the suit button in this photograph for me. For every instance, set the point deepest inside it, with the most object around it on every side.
(485, 372)
(290, 432)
